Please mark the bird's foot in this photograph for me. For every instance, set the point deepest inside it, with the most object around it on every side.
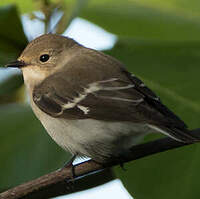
(70, 180)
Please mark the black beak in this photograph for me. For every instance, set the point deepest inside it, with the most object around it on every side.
(15, 64)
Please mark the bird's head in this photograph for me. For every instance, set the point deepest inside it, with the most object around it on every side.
(44, 55)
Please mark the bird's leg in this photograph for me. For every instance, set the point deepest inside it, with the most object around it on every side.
(120, 159)
(69, 164)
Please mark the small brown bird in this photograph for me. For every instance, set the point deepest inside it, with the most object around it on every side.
(88, 102)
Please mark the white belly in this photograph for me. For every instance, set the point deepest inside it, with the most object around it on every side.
(89, 137)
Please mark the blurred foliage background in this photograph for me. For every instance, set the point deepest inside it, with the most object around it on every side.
(158, 40)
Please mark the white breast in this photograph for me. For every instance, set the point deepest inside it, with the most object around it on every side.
(32, 76)
(93, 138)
(88, 136)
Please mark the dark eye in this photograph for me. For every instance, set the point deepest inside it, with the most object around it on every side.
(44, 58)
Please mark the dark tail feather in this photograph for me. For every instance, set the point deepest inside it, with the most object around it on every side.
(181, 135)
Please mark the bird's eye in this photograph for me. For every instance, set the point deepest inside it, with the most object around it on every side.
(44, 58)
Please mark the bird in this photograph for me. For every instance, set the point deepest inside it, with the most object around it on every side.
(89, 103)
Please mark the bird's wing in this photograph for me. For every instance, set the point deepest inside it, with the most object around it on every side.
(92, 91)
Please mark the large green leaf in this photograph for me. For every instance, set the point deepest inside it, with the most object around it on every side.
(10, 84)
(172, 71)
(24, 6)
(189, 8)
(11, 89)
(143, 20)
(32, 5)
(26, 151)
(12, 42)
(12, 37)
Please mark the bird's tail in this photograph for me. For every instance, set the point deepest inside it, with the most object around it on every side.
(181, 135)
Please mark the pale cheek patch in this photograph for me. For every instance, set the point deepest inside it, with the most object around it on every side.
(33, 76)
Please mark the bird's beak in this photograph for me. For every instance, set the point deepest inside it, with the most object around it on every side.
(16, 64)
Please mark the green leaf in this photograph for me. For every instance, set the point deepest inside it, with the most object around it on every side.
(31, 5)
(12, 83)
(26, 151)
(173, 174)
(143, 20)
(189, 8)
(12, 42)
(153, 19)
(172, 71)
(24, 6)
(12, 37)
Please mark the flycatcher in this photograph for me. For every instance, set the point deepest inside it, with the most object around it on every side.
(88, 102)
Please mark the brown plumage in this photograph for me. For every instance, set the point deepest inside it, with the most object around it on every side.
(93, 96)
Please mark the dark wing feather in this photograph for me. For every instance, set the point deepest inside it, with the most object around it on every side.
(107, 93)
(152, 99)
(113, 94)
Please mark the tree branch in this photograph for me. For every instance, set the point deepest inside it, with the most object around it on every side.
(59, 182)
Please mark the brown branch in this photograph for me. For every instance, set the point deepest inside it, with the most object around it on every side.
(59, 182)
